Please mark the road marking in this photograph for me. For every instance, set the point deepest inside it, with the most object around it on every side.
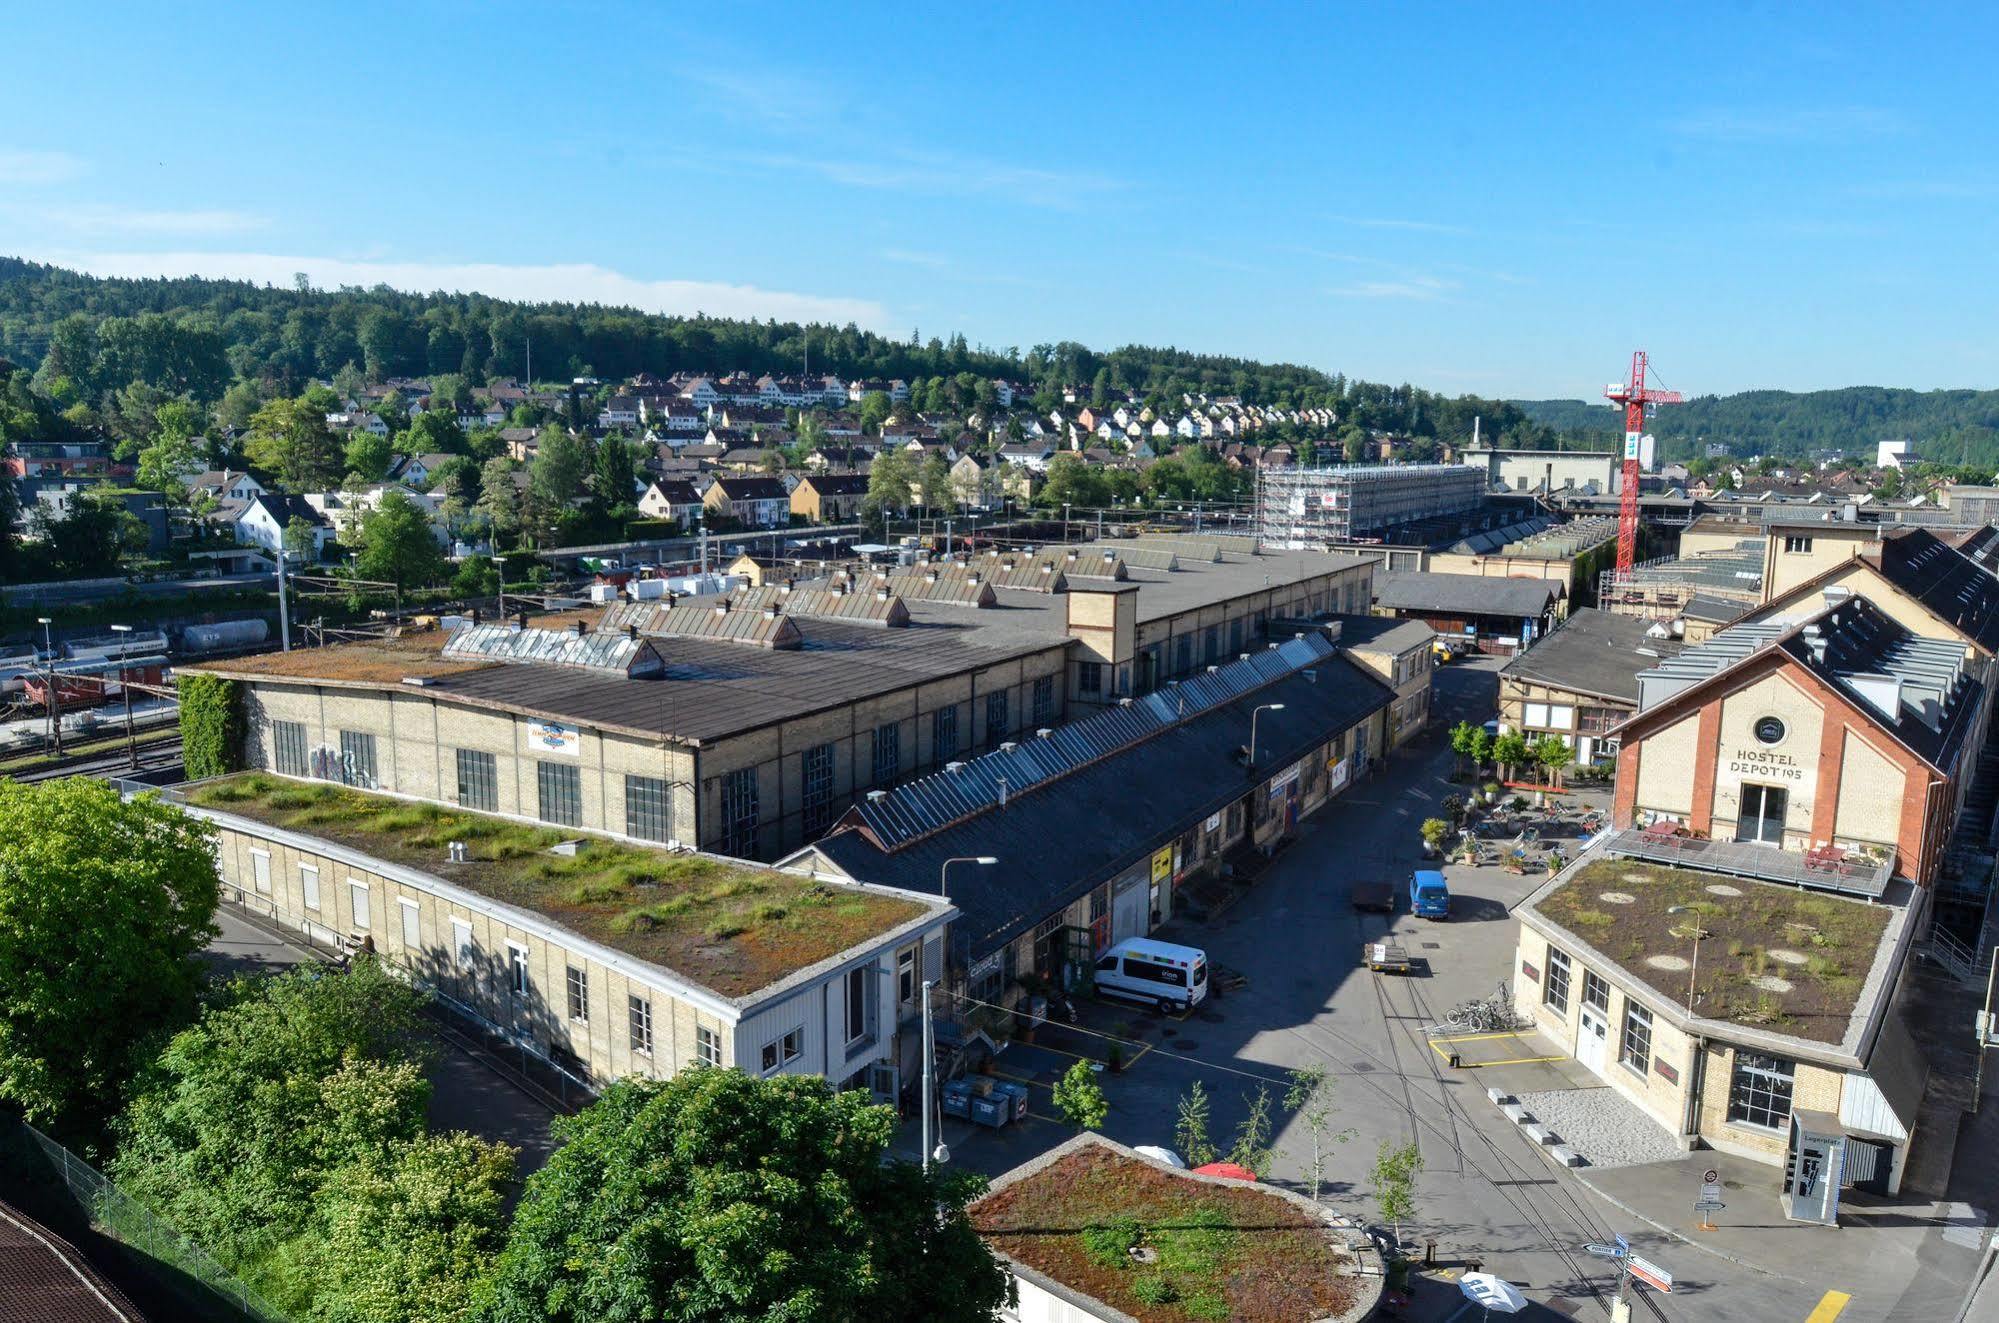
(1829, 1306)
(1022, 1079)
(1473, 1038)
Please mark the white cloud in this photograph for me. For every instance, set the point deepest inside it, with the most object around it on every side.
(1398, 223)
(1421, 289)
(98, 218)
(17, 167)
(579, 282)
(955, 176)
(1834, 124)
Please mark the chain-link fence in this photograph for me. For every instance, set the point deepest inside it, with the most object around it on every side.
(180, 1267)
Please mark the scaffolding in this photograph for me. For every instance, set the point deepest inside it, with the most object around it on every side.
(1662, 589)
(1318, 508)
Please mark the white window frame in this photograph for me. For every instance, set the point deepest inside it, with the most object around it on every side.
(707, 1046)
(463, 945)
(412, 915)
(260, 870)
(308, 881)
(638, 1023)
(1534, 716)
(909, 969)
(358, 902)
(519, 980)
(576, 993)
(1561, 716)
(781, 1051)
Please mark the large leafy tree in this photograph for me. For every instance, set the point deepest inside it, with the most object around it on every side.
(719, 1196)
(104, 903)
(235, 1128)
(394, 544)
(290, 440)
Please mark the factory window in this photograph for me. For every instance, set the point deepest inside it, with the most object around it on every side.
(1635, 1050)
(647, 814)
(260, 869)
(357, 895)
(561, 793)
(707, 1046)
(944, 734)
(517, 969)
(888, 753)
(860, 1006)
(288, 746)
(1183, 654)
(739, 812)
(1214, 643)
(357, 758)
(1555, 992)
(818, 786)
(412, 925)
(907, 973)
(308, 881)
(1596, 992)
(478, 781)
(1759, 1091)
(997, 717)
(579, 995)
(1798, 544)
(638, 1015)
(1235, 637)
(784, 1051)
(1044, 700)
(1089, 677)
(463, 947)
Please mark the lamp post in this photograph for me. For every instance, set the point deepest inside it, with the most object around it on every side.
(944, 870)
(55, 721)
(1261, 707)
(124, 649)
(1065, 522)
(940, 1153)
(1699, 934)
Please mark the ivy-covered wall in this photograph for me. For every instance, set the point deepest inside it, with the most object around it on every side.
(211, 725)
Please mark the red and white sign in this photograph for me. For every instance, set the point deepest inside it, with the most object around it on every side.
(1649, 1273)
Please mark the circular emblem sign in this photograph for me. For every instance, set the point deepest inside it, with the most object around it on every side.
(1769, 730)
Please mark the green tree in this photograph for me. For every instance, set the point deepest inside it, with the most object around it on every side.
(1510, 751)
(1251, 1149)
(104, 905)
(369, 456)
(718, 1195)
(1464, 740)
(555, 478)
(874, 410)
(286, 1078)
(1072, 481)
(499, 497)
(90, 536)
(934, 481)
(1554, 755)
(1080, 1098)
(407, 1234)
(615, 473)
(1394, 1177)
(889, 488)
(431, 433)
(1309, 1097)
(1190, 1128)
(170, 459)
(477, 576)
(289, 439)
(394, 544)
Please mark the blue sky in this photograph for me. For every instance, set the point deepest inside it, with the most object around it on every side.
(1503, 199)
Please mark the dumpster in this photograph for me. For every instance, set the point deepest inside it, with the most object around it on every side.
(958, 1098)
(1017, 1094)
(994, 1111)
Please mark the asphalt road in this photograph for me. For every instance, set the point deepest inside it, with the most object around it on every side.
(1486, 1194)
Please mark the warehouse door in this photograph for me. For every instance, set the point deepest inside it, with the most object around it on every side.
(1131, 908)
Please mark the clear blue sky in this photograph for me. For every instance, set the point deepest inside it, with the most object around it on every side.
(1503, 198)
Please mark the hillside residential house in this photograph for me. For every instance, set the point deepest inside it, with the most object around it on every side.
(829, 498)
(671, 499)
(264, 520)
(752, 502)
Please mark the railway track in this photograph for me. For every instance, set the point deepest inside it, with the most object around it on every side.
(157, 753)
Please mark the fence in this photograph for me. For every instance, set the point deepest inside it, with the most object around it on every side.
(180, 1266)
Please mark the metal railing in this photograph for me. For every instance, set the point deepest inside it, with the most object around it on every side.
(1960, 960)
(1854, 875)
(182, 1266)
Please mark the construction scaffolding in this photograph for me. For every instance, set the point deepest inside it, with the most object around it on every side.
(1318, 508)
(1662, 589)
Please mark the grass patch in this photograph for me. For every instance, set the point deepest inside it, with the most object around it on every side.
(733, 927)
(1216, 1252)
(1837, 937)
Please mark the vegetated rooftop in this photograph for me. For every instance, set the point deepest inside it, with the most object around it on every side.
(731, 927)
(1777, 957)
(1222, 1251)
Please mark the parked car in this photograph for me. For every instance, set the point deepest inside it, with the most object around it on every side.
(1429, 894)
(1173, 978)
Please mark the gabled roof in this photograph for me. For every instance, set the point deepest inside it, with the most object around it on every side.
(716, 617)
(283, 508)
(1950, 584)
(736, 488)
(1595, 653)
(1466, 594)
(837, 484)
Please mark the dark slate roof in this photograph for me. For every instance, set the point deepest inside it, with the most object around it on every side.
(1596, 653)
(1058, 841)
(1383, 633)
(1714, 610)
(1952, 585)
(1855, 645)
(752, 489)
(49, 1280)
(1465, 594)
(284, 507)
(838, 484)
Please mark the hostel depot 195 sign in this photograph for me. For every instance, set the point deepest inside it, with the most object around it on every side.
(554, 737)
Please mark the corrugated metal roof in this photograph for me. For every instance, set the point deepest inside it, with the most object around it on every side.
(835, 599)
(714, 617)
(597, 651)
(958, 585)
(917, 808)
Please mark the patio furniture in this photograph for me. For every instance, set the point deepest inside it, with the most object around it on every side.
(1826, 858)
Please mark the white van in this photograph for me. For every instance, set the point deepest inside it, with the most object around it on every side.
(1173, 978)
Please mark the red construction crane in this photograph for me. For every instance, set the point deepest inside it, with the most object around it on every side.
(1634, 396)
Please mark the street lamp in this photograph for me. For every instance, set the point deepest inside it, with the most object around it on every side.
(1699, 935)
(124, 649)
(55, 722)
(940, 1153)
(1261, 707)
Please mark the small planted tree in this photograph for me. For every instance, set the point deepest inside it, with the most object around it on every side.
(1554, 755)
(1510, 751)
(1481, 749)
(1464, 739)
(1394, 1175)
(1251, 1149)
(1435, 832)
(1080, 1098)
(1310, 1099)
(1190, 1131)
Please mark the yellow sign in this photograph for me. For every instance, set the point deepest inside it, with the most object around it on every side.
(1162, 864)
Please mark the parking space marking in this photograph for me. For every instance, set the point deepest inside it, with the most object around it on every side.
(1509, 1061)
(1473, 1038)
(1022, 1079)
(1828, 1308)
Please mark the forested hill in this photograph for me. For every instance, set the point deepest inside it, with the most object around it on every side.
(62, 325)
(1947, 426)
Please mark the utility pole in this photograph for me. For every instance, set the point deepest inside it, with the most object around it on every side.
(284, 609)
(125, 688)
(929, 1072)
(55, 720)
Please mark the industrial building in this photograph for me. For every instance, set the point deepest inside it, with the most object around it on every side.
(746, 722)
(1491, 615)
(1319, 509)
(1587, 472)
(1581, 682)
(1572, 553)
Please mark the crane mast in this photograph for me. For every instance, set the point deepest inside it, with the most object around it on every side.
(1634, 395)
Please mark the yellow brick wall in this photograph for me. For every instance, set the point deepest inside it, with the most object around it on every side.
(1666, 768)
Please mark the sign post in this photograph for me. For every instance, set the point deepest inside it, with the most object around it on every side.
(1709, 1203)
(1629, 1266)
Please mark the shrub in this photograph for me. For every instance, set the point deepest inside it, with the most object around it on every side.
(211, 725)
(1153, 1289)
(1110, 1243)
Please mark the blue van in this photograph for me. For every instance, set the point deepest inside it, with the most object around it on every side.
(1429, 895)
